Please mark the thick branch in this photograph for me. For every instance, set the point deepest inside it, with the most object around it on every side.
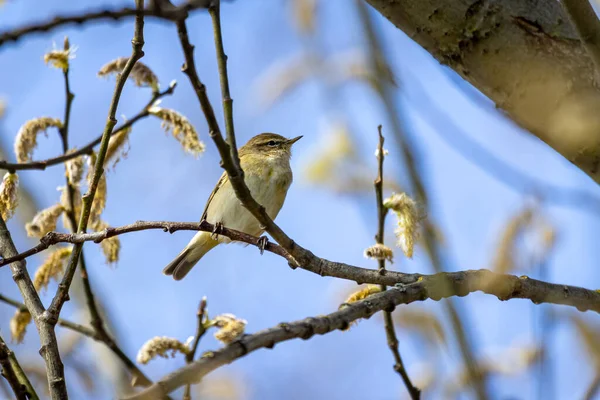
(584, 19)
(525, 56)
(87, 149)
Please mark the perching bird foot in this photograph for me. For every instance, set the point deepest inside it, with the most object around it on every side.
(217, 229)
(262, 243)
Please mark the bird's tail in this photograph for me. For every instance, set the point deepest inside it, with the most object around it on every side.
(201, 244)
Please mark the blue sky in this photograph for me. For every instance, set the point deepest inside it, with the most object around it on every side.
(159, 182)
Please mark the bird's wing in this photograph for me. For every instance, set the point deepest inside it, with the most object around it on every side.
(222, 180)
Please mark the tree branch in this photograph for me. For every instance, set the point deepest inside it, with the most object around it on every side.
(96, 320)
(215, 13)
(584, 19)
(439, 285)
(13, 373)
(62, 293)
(87, 149)
(524, 55)
(200, 331)
(49, 345)
(53, 238)
(169, 14)
(84, 330)
(593, 388)
(297, 255)
(304, 329)
(390, 332)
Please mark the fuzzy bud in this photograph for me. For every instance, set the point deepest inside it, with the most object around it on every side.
(26, 140)
(111, 247)
(409, 217)
(160, 346)
(9, 195)
(230, 326)
(141, 74)
(60, 58)
(51, 268)
(18, 325)
(380, 252)
(44, 221)
(182, 129)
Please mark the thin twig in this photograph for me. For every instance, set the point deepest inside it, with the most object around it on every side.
(200, 331)
(584, 18)
(138, 375)
(170, 14)
(88, 148)
(298, 256)
(543, 332)
(593, 389)
(49, 346)
(84, 330)
(390, 332)
(235, 174)
(62, 293)
(215, 13)
(384, 91)
(96, 320)
(53, 238)
(13, 373)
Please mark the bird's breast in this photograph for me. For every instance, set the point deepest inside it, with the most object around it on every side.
(268, 181)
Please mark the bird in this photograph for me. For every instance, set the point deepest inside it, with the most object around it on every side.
(265, 160)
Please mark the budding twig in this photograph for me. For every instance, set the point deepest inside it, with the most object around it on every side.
(13, 373)
(87, 149)
(97, 321)
(170, 14)
(390, 332)
(200, 331)
(384, 91)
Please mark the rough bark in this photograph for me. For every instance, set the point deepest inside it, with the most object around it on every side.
(524, 55)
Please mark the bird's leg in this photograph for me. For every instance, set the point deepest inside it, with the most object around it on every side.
(262, 243)
(217, 229)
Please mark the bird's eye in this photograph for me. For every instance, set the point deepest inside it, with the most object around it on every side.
(272, 143)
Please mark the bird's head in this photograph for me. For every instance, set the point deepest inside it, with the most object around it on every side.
(269, 145)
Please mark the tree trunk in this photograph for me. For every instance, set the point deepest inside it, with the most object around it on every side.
(524, 55)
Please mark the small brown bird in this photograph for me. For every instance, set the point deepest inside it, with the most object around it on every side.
(265, 160)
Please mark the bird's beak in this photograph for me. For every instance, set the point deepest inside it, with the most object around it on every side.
(294, 140)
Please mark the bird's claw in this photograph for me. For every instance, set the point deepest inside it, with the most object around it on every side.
(262, 244)
(217, 229)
